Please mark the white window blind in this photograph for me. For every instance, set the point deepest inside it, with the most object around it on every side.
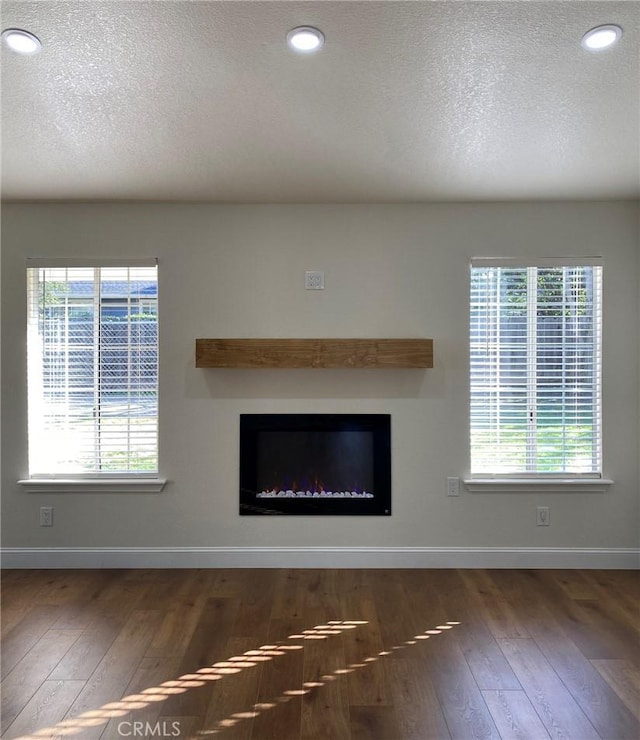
(535, 347)
(92, 370)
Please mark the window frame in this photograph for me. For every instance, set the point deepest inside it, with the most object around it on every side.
(529, 480)
(95, 481)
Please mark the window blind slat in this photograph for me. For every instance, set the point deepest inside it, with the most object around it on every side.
(89, 263)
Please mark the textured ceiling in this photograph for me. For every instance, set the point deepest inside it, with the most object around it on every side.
(408, 101)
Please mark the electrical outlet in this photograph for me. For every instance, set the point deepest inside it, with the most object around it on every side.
(542, 516)
(314, 280)
(46, 516)
(453, 486)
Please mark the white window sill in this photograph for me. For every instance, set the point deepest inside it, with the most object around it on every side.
(93, 485)
(538, 485)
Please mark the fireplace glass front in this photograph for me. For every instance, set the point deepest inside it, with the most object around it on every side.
(315, 464)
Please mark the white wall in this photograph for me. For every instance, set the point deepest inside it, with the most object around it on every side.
(391, 270)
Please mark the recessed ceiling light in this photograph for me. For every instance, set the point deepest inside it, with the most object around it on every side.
(22, 42)
(305, 39)
(601, 37)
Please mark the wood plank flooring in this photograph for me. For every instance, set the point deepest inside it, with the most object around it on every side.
(294, 654)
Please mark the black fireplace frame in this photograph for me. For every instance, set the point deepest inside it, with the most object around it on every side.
(378, 424)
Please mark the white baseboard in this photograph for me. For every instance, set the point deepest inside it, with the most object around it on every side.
(319, 557)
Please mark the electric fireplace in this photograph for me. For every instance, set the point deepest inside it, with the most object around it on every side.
(315, 464)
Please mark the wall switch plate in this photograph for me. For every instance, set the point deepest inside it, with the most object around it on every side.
(46, 516)
(314, 280)
(453, 486)
(542, 516)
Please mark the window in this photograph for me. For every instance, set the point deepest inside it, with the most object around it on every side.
(536, 369)
(92, 370)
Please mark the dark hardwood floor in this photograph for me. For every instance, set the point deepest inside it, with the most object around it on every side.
(321, 654)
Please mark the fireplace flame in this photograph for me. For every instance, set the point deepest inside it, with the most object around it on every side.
(312, 486)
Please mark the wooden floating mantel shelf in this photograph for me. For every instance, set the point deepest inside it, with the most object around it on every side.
(321, 353)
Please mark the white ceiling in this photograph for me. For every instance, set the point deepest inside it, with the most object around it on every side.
(408, 101)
